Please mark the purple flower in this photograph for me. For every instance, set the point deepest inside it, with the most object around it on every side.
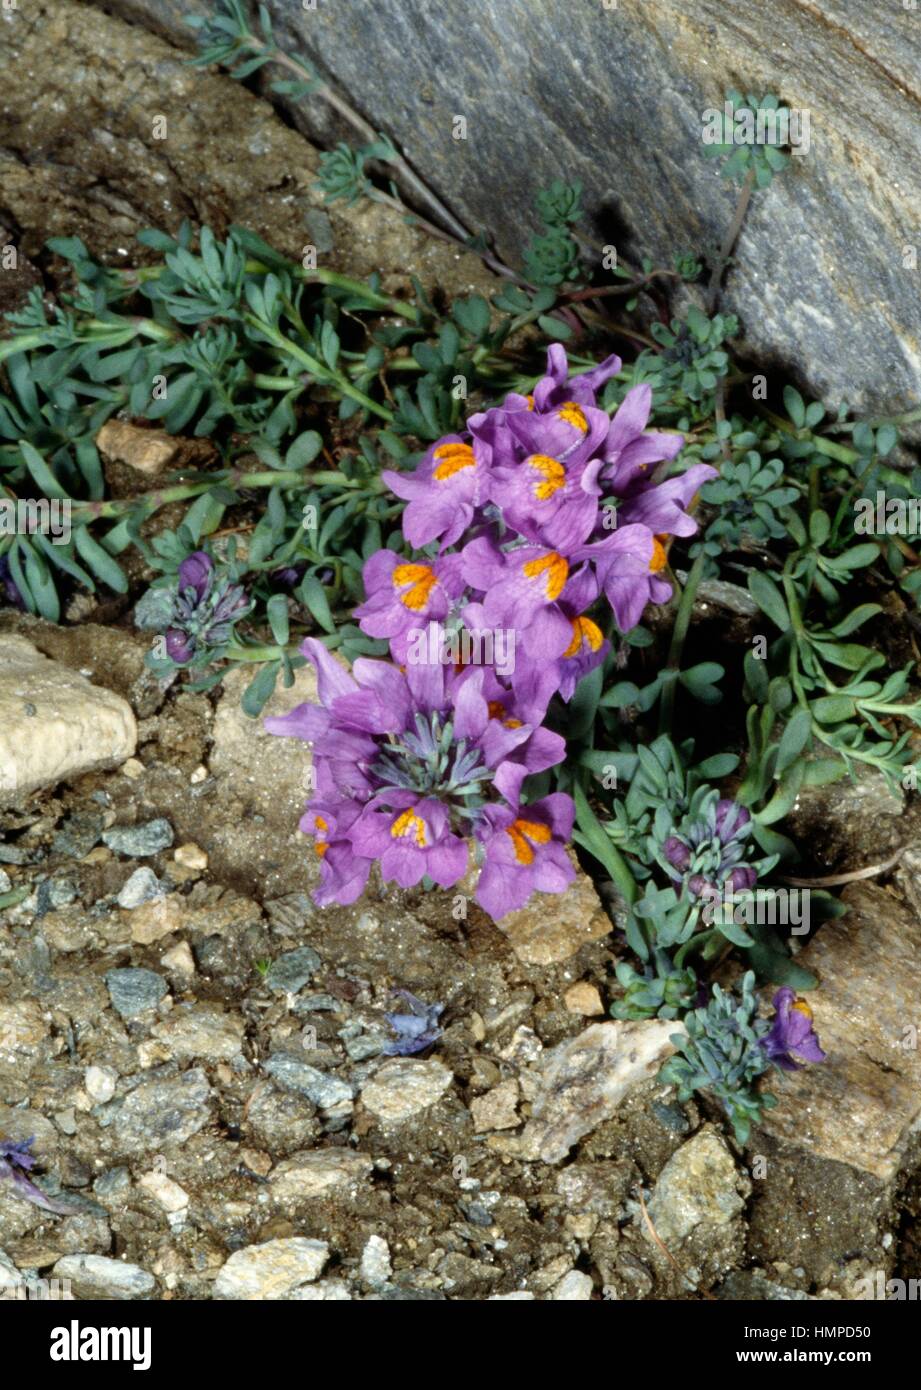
(443, 492)
(343, 873)
(16, 1161)
(412, 838)
(792, 1039)
(408, 765)
(522, 587)
(403, 596)
(630, 449)
(627, 563)
(416, 1030)
(551, 497)
(525, 851)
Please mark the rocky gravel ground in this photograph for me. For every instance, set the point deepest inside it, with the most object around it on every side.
(199, 1051)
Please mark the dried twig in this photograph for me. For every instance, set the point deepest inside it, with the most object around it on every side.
(833, 880)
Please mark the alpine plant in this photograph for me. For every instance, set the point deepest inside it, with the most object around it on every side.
(535, 531)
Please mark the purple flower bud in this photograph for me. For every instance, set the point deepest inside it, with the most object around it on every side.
(730, 819)
(195, 573)
(677, 852)
(179, 647)
(8, 585)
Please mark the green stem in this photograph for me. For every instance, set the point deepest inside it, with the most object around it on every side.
(679, 633)
(325, 375)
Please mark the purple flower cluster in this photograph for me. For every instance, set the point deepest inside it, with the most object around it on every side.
(205, 608)
(708, 854)
(541, 507)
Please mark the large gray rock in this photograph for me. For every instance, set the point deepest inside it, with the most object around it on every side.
(612, 94)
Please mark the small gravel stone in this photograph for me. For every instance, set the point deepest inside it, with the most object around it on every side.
(201, 1030)
(271, 1271)
(318, 1086)
(22, 1026)
(134, 991)
(405, 1087)
(141, 887)
(179, 959)
(699, 1186)
(498, 1109)
(139, 841)
(583, 998)
(114, 1182)
(100, 1083)
(6, 882)
(317, 1003)
(375, 1262)
(574, 1287)
(163, 1112)
(291, 972)
(99, 1276)
(360, 1049)
(169, 1194)
(315, 1172)
(191, 857)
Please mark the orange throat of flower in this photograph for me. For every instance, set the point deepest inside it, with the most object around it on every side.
(409, 824)
(552, 568)
(551, 476)
(574, 415)
(585, 633)
(451, 459)
(525, 836)
(659, 556)
(417, 582)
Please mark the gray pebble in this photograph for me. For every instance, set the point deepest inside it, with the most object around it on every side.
(290, 972)
(141, 887)
(138, 841)
(133, 992)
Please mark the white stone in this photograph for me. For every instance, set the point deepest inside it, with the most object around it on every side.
(100, 1083)
(99, 1276)
(574, 1287)
(169, 1194)
(53, 723)
(375, 1262)
(315, 1171)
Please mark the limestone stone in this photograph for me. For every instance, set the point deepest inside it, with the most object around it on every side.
(272, 1270)
(99, 1276)
(585, 1079)
(699, 1186)
(497, 1109)
(54, 724)
(201, 1030)
(146, 451)
(315, 1171)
